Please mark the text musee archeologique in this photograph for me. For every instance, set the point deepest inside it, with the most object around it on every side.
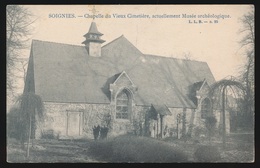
(71, 15)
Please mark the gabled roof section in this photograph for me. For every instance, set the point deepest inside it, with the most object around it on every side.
(197, 85)
(204, 83)
(66, 73)
(196, 88)
(120, 76)
(161, 109)
(122, 42)
(29, 80)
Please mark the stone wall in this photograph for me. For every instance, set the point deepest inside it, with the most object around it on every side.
(193, 121)
(171, 121)
(56, 119)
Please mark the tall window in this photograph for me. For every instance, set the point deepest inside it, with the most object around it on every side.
(205, 108)
(122, 105)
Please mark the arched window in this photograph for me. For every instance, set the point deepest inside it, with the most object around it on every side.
(205, 108)
(123, 105)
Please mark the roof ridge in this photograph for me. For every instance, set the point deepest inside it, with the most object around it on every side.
(113, 40)
(57, 43)
(122, 36)
(160, 56)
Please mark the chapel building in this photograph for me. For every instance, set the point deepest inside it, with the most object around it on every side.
(118, 86)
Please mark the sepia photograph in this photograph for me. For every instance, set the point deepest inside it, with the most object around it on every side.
(130, 83)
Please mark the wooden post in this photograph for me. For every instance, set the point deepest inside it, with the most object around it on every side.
(161, 117)
(29, 137)
(224, 117)
(67, 125)
(154, 134)
(177, 129)
(178, 120)
(184, 122)
(79, 122)
(157, 136)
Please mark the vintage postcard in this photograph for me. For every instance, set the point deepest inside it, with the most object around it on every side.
(130, 83)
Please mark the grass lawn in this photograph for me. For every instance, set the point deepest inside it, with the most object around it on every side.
(50, 151)
(238, 149)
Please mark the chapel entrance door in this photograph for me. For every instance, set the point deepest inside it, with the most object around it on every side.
(74, 123)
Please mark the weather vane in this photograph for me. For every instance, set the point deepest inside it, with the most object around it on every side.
(94, 11)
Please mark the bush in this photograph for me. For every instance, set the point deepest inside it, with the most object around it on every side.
(210, 124)
(198, 131)
(49, 134)
(128, 148)
(207, 153)
(14, 127)
(101, 149)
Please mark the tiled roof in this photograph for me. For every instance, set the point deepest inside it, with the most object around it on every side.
(66, 73)
(161, 109)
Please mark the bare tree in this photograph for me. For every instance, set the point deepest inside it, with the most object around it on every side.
(247, 44)
(23, 69)
(18, 30)
(248, 29)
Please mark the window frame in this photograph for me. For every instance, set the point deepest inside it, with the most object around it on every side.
(124, 98)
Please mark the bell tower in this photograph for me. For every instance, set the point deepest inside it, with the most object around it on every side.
(93, 41)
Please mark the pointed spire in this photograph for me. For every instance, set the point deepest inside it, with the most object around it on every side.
(93, 29)
(93, 34)
(93, 41)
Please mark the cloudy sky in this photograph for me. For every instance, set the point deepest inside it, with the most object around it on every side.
(214, 43)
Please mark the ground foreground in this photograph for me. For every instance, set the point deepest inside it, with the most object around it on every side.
(238, 149)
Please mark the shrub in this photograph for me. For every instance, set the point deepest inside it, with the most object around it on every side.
(198, 131)
(207, 153)
(128, 148)
(13, 125)
(210, 124)
(49, 134)
(101, 149)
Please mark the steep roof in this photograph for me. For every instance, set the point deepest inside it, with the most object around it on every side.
(66, 73)
(93, 29)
